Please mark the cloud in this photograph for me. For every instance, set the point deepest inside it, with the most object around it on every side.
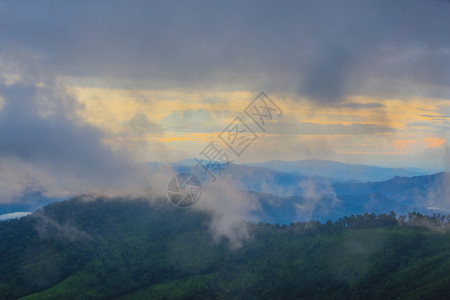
(47, 227)
(139, 125)
(357, 105)
(14, 215)
(228, 207)
(320, 50)
(192, 120)
(290, 126)
(317, 197)
(434, 142)
(45, 142)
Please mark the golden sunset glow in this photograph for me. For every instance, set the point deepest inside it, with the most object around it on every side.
(184, 120)
(434, 142)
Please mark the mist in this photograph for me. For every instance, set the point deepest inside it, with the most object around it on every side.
(45, 143)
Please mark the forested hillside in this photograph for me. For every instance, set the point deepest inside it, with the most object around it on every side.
(129, 249)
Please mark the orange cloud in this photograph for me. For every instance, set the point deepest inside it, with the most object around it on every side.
(402, 145)
(408, 120)
(433, 142)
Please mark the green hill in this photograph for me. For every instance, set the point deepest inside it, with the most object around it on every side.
(128, 249)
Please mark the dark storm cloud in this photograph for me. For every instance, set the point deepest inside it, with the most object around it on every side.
(323, 50)
(44, 140)
(31, 135)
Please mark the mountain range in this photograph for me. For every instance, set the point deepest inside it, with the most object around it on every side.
(284, 197)
(338, 170)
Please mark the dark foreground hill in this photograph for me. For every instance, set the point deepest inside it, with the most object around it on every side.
(128, 249)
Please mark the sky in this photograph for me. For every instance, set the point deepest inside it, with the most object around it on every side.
(90, 90)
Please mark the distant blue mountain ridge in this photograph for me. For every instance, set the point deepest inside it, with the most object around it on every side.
(285, 197)
(338, 170)
(288, 196)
